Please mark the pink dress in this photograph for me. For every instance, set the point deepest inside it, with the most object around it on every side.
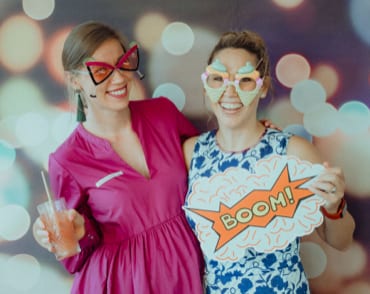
(137, 239)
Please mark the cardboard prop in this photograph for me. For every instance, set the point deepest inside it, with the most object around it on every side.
(266, 210)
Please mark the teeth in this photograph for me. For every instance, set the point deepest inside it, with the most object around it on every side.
(231, 105)
(119, 92)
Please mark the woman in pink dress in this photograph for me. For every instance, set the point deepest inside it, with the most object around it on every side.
(123, 176)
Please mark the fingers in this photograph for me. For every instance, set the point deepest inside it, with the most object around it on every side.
(333, 170)
(78, 223)
(269, 124)
(71, 214)
(331, 180)
(41, 235)
(330, 185)
(76, 218)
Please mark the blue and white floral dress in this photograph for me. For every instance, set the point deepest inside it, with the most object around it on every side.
(280, 271)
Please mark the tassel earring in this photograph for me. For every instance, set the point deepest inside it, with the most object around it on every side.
(81, 117)
(141, 75)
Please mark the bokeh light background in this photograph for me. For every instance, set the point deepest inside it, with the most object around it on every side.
(320, 54)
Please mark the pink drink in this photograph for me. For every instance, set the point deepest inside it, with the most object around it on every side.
(60, 228)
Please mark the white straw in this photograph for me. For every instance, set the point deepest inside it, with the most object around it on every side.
(46, 187)
(52, 204)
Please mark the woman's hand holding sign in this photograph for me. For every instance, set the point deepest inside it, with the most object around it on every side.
(330, 186)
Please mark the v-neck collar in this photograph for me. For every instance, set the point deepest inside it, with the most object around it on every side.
(103, 145)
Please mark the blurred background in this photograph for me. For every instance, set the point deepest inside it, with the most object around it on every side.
(320, 54)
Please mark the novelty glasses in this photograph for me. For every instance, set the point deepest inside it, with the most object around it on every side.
(100, 71)
(247, 82)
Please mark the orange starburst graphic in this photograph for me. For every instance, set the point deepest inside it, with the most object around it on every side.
(257, 208)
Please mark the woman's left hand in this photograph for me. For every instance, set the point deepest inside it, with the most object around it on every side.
(330, 185)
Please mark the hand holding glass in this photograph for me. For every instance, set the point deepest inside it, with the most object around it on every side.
(55, 217)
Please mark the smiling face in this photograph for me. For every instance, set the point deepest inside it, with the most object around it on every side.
(113, 93)
(229, 108)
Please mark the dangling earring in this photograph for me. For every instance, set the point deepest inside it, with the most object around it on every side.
(140, 74)
(81, 117)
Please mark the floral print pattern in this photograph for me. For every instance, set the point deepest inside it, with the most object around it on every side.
(278, 272)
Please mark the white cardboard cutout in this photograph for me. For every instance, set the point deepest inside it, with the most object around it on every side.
(267, 210)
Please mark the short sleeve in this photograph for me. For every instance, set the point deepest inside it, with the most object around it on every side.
(185, 128)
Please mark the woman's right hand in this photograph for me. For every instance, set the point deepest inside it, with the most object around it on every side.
(42, 236)
(269, 124)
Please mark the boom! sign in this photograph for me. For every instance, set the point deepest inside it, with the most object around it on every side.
(266, 210)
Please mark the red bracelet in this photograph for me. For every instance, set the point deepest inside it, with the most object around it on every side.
(338, 214)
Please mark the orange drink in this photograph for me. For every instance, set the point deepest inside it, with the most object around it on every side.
(61, 232)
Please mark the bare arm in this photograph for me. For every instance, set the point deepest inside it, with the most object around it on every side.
(187, 149)
(337, 233)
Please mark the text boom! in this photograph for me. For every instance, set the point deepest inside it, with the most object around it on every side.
(257, 208)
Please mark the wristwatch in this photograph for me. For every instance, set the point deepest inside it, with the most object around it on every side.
(340, 212)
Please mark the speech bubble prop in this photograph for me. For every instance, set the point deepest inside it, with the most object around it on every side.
(266, 210)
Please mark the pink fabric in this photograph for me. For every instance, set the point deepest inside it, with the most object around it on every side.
(137, 239)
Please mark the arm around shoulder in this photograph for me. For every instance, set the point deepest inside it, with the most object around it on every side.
(188, 149)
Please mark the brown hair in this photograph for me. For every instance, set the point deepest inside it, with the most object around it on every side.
(251, 42)
(84, 39)
(81, 44)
